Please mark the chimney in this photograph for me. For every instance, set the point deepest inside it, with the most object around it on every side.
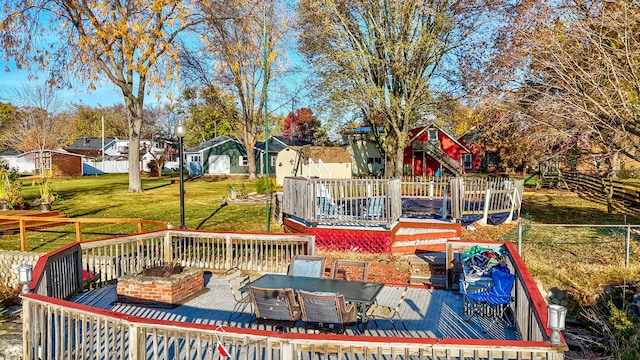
(85, 140)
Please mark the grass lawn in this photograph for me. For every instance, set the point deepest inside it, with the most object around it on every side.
(106, 196)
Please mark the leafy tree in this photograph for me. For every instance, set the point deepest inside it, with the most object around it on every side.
(385, 59)
(131, 43)
(87, 121)
(210, 113)
(234, 61)
(7, 112)
(302, 125)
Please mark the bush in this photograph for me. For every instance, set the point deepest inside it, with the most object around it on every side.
(628, 173)
(261, 185)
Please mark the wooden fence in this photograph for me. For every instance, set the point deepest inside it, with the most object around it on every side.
(59, 329)
(612, 192)
(368, 202)
(24, 222)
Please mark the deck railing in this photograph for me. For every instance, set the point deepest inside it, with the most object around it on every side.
(59, 329)
(368, 202)
(99, 262)
(374, 202)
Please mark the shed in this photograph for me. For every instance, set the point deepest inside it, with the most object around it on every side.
(313, 161)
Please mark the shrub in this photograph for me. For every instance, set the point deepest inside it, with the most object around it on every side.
(261, 185)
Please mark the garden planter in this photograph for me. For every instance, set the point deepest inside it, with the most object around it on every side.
(44, 207)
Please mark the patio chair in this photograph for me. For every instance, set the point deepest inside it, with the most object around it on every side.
(236, 282)
(491, 301)
(326, 208)
(326, 311)
(388, 312)
(307, 265)
(375, 208)
(350, 270)
(277, 307)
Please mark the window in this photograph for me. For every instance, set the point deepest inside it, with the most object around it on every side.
(194, 158)
(432, 134)
(243, 161)
(467, 159)
(273, 161)
(374, 160)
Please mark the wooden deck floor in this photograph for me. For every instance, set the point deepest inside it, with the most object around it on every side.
(426, 312)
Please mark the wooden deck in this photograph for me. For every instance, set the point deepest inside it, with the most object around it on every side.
(426, 312)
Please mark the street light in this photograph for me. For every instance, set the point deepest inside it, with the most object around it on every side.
(180, 130)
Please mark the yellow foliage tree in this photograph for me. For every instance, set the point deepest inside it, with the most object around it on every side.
(132, 43)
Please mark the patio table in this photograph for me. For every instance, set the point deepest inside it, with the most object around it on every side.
(360, 293)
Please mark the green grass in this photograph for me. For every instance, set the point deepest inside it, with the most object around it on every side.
(106, 196)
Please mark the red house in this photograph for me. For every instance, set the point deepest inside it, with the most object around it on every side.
(433, 151)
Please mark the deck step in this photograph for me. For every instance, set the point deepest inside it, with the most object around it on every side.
(417, 236)
(427, 268)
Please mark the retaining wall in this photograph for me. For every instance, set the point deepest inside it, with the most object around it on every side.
(9, 262)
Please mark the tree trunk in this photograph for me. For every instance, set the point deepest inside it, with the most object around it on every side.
(249, 145)
(135, 126)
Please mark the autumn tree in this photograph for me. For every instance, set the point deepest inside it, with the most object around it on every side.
(574, 74)
(301, 125)
(130, 43)
(385, 60)
(85, 120)
(7, 112)
(234, 61)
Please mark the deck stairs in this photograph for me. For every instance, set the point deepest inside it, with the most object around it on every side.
(415, 235)
(422, 244)
(427, 268)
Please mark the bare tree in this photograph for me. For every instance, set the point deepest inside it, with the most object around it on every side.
(38, 124)
(574, 73)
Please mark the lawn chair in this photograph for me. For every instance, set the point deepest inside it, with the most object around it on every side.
(307, 265)
(236, 282)
(277, 307)
(350, 270)
(492, 301)
(375, 208)
(326, 311)
(327, 208)
(377, 311)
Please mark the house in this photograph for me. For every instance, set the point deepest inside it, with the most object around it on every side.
(92, 147)
(276, 145)
(220, 155)
(432, 151)
(313, 161)
(366, 155)
(18, 160)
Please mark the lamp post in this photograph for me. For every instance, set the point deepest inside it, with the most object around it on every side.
(25, 275)
(556, 320)
(180, 130)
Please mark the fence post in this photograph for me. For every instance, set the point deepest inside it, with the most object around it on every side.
(286, 351)
(136, 343)
(627, 245)
(78, 231)
(520, 238)
(229, 257)
(23, 235)
(168, 247)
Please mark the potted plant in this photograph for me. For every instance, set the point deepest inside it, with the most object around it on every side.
(47, 195)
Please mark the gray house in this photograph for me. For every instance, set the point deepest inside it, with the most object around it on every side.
(218, 156)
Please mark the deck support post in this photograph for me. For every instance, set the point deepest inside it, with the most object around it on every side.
(23, 235)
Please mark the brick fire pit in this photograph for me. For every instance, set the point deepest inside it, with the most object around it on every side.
(160, 290)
